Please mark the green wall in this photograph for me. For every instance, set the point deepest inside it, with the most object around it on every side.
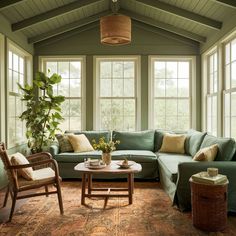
(145, 41)
(21, 41)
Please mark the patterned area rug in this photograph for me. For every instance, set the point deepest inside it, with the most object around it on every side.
(151, 214)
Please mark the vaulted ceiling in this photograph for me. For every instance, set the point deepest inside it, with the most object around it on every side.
(40, 20)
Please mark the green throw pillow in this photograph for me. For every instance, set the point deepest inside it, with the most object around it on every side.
(64, 143)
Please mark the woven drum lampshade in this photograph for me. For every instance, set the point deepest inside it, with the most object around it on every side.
(115, 30)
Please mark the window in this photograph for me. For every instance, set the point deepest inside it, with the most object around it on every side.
(170, 93)
(18, 71)
(117, 94)
(71, 86)
(230, 90)
(211, 111)
(2, 89)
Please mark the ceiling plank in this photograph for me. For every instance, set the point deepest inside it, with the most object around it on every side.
(8, 3)
(228, 3)
(162, 25)
(63, 36)
(164, 33)
(68, 27)
(183, 13)
(51, 14)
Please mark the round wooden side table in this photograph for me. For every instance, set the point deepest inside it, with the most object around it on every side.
(209, 205)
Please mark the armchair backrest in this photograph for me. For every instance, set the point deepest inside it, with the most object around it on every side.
(11, 173)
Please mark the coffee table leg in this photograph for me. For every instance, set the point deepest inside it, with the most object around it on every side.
(132, 182)
(130, 188)
(83, 189)
(90, 183)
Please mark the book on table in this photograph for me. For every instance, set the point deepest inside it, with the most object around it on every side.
(203, 177)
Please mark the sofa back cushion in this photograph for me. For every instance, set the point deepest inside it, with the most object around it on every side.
(193, 141)
(93, 135)
(226, 147)
(140, 140)
(158, 139)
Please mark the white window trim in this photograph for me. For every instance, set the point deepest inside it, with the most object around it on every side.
(28, 73)
(96, 87)
(207, 89)
(82, 58)
(2, 89)
(192, 85)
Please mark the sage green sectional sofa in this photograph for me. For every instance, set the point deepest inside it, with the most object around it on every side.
(136, 146)
(173, 170)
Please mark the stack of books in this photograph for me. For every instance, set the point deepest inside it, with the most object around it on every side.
(203, 177)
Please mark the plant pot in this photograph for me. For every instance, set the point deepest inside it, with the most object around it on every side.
(106, 158)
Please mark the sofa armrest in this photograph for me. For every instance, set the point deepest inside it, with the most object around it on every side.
(185, 170)
(54, 149)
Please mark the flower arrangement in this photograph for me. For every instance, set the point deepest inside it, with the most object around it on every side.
(105, 147)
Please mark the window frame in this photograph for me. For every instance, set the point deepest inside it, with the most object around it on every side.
(82, 58)
(212, 94)
(227, 90)
(192, 86)
(96, 88)
(2, 88)
(28, 78)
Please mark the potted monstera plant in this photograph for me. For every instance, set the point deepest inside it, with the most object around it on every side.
(43, 110)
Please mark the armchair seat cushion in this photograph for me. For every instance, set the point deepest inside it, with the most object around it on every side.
(39, 177)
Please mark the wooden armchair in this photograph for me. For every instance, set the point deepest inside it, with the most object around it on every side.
(45, 174)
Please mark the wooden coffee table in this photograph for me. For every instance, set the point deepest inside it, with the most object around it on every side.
(112, 169)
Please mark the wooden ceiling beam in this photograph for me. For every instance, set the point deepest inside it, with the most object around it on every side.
(8, 3)
(68, 27)
(228, 3)
(162, 25)
(51, 14)
(183, 13)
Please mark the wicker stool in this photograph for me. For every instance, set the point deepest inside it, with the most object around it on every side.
(209, 205)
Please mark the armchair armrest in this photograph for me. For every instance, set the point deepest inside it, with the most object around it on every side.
(54, 149)
(186, 170)
(52, 161)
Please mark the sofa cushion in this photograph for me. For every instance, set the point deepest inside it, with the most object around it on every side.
(226, 147)
(139, 156)
(159, 135)
(80, 143)
(206, 154)
(171, 161)
(193, 141)
(77, 157)
(91, 135)
(64, 143)
(173, 143)
(158, 138)
(140, 140)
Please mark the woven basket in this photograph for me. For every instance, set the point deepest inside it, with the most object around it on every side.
(209, 206)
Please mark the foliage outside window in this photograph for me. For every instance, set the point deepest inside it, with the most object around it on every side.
(230, 89)
(211, 111)
(70, 87)
(16, 74)
(170, 94)
(116, 90)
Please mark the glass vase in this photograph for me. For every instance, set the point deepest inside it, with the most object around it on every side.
(106, 158)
